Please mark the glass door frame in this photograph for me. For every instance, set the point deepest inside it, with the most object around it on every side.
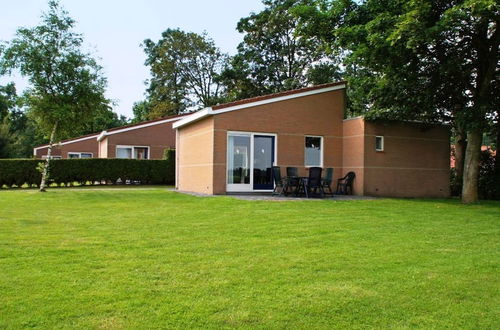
(244, 187)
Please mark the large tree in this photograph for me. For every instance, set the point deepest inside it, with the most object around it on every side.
(185, 69)
(66, 84)
(273, 57)
(430, 61)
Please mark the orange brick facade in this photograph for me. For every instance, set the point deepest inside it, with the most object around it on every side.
(414, 163)
(86, 146)
(155, 135)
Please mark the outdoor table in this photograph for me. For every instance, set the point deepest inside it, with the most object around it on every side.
(299, 184)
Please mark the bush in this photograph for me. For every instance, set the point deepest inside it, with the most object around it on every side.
(65, 171)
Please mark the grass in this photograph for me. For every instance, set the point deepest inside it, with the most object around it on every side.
(129, 258)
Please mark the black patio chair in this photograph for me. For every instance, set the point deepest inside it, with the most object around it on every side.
(345, 184)
(279, 182)
(292, 176)
(328, 180)
(313, 183)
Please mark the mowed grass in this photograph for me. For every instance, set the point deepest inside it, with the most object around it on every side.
(158, 259)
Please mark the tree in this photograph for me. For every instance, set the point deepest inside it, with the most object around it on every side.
(273, 57)
(66, 85)
(429, 61)
(103, 119)
(141, 111)
(8, 98)
(185, 69)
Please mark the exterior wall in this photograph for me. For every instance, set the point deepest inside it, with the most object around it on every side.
(415, 161)
(89, 145)
(157, 138)
(354, 151)
(293, 119)
(195, 155)
(103, 148)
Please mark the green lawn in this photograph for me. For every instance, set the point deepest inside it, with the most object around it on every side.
(127, 258)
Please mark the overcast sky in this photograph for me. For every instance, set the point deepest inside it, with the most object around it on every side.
(114, 30)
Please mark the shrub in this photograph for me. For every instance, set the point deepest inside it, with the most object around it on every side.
(64, 171)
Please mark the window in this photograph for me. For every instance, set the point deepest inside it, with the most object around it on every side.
(80, 155)
(313, 151)
(51, 157)
(379, 143)
(123, 152)
(132, 152)
(141, 153)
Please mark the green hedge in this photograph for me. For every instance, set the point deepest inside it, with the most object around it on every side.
(19, 172)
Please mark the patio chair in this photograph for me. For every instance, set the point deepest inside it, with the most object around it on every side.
(292, 171)
(345, 184)
(292, 176)
(279, 182)
(328, 180)
(313, 183)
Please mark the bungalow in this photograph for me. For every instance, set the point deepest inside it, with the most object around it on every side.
(145, 140)
(231, 147)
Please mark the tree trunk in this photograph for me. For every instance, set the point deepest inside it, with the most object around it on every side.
(47, 161)
(471, 167)
(460, 147)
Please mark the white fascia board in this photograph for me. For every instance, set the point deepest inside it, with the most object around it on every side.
(101, 136)
(126, 129)
(209, 111)
(194, 117)
(64, 143)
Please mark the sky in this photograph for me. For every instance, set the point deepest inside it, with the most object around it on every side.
(114, 29)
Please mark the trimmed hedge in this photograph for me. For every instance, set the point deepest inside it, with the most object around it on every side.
(65, 171)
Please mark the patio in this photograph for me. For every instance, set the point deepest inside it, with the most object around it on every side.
(270, 197)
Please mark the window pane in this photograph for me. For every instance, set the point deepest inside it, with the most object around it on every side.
(124, 153)
(238, 170)
(379, 144)
(73, 155)
(85, 155)
(313, 151)
(140, 153)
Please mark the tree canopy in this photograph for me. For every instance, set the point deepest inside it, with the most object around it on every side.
(413, 60)
(185, 69)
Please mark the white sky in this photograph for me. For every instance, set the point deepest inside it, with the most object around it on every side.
(114, 29)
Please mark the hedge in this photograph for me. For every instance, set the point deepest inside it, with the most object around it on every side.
(19, 172)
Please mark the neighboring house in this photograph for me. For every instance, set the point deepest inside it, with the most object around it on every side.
(145, 140)
(81, 147)
(231, 147)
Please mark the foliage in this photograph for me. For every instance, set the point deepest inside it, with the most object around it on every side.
(488, 188)
(8, 97)
(104, 119)
(141, 111)
(185, 69)
(169, 154)
(135, 258)
(19, 172)
(273, 57)
(67, 87)
(418, 60)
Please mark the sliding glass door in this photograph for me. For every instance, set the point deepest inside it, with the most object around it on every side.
(263, 160)
(250, 157)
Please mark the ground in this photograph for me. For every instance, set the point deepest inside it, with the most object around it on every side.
(126, 258)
